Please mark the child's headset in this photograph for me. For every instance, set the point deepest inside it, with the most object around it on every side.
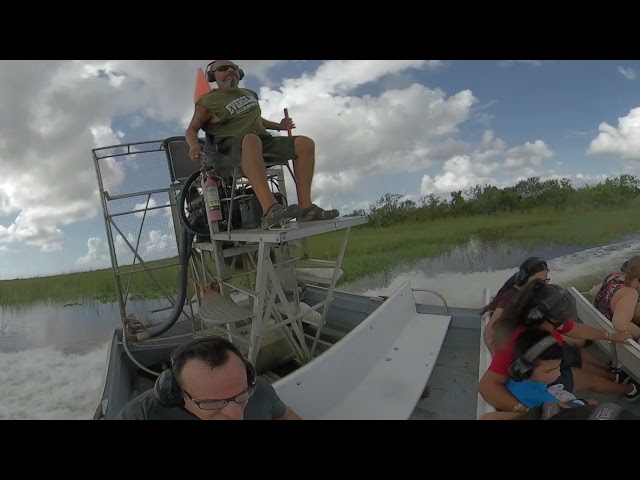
(166, 388)
(211, 74)
(522, 367)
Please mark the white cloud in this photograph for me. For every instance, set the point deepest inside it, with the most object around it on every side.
(459, 173)
(533, 63)
(361, 136)
(155, 245)
(489, 163)
(97, 254)
(627, 72)
(623, 141)
(528, 154)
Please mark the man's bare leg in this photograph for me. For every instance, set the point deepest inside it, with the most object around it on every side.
(303, 168)
(255, 170)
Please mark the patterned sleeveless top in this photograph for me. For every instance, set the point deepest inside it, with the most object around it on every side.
(609, 287)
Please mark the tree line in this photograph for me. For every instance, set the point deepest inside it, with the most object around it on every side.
(526, 196)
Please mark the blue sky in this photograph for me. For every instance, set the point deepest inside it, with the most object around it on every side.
(412, 127)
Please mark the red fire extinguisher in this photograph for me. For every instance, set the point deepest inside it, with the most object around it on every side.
(214, 212)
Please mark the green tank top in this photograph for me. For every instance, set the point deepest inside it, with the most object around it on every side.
(239, 113)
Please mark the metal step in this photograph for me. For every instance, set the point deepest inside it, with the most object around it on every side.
(216, 309)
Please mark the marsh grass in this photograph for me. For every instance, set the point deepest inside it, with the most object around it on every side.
(371, 250)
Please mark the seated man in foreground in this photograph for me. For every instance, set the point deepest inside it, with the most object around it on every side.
(233, 116)
(209, 379)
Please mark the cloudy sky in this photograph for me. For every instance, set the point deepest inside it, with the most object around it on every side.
(412, 127)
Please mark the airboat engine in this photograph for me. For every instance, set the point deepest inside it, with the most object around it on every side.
(199, 204)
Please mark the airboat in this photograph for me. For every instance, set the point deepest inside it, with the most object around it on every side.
(330, 354)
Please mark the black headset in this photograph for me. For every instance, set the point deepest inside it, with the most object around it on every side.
(542, 312)
(522, 367)
(211, 74)
(167, 390)
(526, 270)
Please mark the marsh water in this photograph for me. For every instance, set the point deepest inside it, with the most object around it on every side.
(52, 355)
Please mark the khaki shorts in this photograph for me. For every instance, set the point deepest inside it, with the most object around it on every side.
(281, 147)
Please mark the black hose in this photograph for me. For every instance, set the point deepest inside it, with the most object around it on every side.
(184, 252)
(187, 234)
(182, 216)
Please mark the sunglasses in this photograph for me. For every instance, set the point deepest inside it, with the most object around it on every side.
(242, 397)
(224, 68)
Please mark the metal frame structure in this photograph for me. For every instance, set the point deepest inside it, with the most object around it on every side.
(270, 260)
(109, 156)
(270, 277)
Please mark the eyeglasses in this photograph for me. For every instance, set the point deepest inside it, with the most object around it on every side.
(242, 397)
(224, 68)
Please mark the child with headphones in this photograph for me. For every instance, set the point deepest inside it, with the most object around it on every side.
(549, 308)
(536, 366)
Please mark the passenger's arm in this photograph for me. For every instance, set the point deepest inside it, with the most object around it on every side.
(493, 389)
(624, 311)
(594, 290)
(585, 332)
(201, 116)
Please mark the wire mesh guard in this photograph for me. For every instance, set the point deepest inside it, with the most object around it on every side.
(136, 190)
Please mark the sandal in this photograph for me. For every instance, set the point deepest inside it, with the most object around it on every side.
(279, 214)
(314, 213)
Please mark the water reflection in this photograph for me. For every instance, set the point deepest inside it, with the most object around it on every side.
(486, 254)
(460, 275)
(59, 324)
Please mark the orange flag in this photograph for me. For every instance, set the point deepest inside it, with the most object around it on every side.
(202, 86)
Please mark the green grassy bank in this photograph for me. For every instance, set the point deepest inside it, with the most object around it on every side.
(371, 250)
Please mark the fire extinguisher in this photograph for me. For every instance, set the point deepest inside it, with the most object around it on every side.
(214, 212)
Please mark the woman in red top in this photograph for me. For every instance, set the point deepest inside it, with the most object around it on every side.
(536, 268)
(550, 308)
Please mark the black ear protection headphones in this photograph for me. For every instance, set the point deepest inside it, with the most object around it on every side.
(542, 312)
(167, 390)
(522, 367)
(211, 73)
(527, 269)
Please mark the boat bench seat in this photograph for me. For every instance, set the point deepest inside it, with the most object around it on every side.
(378, 371)
(627, 356)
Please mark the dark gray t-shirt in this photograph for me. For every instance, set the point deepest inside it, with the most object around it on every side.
(263, 405)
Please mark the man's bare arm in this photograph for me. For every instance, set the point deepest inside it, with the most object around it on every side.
(269, 125)
(201, 116)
